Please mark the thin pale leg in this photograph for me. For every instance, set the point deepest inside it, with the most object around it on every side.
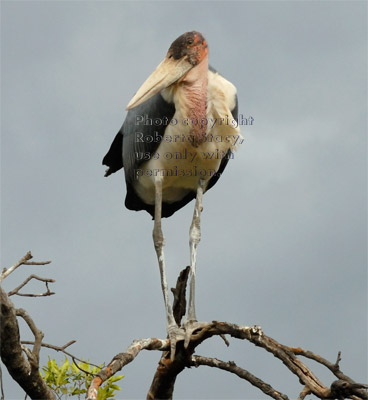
(174, 332)
(194, 238)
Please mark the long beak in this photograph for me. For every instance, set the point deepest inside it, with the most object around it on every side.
(167, 72)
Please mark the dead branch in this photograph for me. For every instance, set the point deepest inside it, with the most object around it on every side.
(163, 382)
(34, 357)
(62, 350)
(305, 392)
(230, 366)
(8, 271)
(23, 261)
(45, 280)
(180, 304)
(167, 371)
(53, 347)
(334, 368)
(162, 386)
(23, 371)
(122, 359)
(342, 389)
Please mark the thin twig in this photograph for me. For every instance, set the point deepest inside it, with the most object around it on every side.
(333, 367)
(61, 349)
(305, 392)
(8, 271)
(27, 351)
(38, 335)
(45, 280)
(230, 366)
(23, 261)
(223, 337)
(37, 262)
(81, 369)
(338, 359)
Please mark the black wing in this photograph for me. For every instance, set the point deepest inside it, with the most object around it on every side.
(137, 137)
(137, 140)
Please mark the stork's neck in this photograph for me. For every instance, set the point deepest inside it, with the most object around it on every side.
(194, 86)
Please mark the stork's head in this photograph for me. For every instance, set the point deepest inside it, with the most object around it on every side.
(185, 53)
(190, 46)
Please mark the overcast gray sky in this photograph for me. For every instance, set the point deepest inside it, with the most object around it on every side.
(283, 231)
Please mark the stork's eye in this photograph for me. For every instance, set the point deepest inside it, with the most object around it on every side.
(190, 41)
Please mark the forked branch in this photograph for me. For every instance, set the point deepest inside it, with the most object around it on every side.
(163, 383)
(45, 280)
(230, 366)
(25, 369)
(23, 261)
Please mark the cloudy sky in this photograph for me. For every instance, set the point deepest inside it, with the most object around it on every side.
(283, 231)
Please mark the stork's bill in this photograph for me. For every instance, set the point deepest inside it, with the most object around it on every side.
(184, 54)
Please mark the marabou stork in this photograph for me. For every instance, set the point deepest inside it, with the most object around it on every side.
(179, 133)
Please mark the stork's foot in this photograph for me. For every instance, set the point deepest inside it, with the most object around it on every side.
(175, 335)
(190, 326)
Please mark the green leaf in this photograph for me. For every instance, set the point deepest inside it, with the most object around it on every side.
(67, 380)
(116, 378)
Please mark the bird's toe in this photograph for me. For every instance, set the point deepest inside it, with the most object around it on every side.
(190, 327)
(175, 335)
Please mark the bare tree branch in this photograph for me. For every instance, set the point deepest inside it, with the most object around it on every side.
(342, 389)
(167, 371)
(24, 372)
(8, 271)
(62, 350)
(179, 304)
(122, 359)
(23, 261)
(53, 347)
(25, 369)
(37, 262)
(163, 382)
(334, 368)
(46, 280)
(305, 392)
(230, 366)
(34, 360)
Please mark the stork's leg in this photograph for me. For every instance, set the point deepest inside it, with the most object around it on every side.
(174, 332)
(194, 238)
